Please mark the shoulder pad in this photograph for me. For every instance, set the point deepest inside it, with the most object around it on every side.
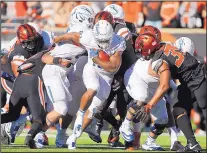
(156, 65)
(120, 45)
(118, 26)
(125, 33)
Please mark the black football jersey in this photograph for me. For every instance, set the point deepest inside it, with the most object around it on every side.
(19, 54)
(182, 65)
(128, 56)
(37, 64)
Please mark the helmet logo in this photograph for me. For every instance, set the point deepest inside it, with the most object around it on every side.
(154, 43)
(114, 10)
(83, 15)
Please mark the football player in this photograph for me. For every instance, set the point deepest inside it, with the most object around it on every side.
(190, 73)
(30, 42)
(99, 79)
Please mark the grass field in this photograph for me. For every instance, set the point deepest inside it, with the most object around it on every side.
(85, 144)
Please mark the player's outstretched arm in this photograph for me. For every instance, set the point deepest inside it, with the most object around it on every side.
(49, 59)
(112, 65)
(165, 76)
(72, 36)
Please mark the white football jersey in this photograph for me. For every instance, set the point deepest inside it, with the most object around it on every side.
(139, 84)
(141, 69)
(87, 39)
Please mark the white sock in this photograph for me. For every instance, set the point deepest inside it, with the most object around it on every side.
(150, 139)
(71, 138)
(126, 121)
(173, 135)
(80, 112)
(74, 137)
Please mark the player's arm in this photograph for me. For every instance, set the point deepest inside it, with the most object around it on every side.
(72, 36)
(47, 58)
(16, 62)
(112, 65)
(165, 76)
(15, 66)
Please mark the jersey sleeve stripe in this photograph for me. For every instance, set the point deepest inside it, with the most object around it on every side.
(5, 86)
(41, 93)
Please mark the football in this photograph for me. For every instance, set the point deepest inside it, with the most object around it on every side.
(103, 56)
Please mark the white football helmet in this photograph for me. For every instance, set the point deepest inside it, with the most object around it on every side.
(117, 12)
(82, 15)
(185, 44)
(103, 33)
(37, 28)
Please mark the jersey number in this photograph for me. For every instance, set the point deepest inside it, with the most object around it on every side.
(178, 55)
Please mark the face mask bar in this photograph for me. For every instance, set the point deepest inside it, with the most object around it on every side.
(30, 44)
(103, 43)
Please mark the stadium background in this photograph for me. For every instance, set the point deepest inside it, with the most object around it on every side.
(53, 16)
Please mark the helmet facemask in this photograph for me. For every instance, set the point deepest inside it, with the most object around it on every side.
(103, 33)
(103, 44)
(33, 45)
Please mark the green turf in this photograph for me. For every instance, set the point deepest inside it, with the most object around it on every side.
(85, 144)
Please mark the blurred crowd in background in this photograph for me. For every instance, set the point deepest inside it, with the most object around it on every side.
(160, 14)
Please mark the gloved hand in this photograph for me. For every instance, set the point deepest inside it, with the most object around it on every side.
(7, 76)
(143, 112)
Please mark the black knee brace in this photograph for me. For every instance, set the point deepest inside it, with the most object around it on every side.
(157, 129)
(178, 111)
